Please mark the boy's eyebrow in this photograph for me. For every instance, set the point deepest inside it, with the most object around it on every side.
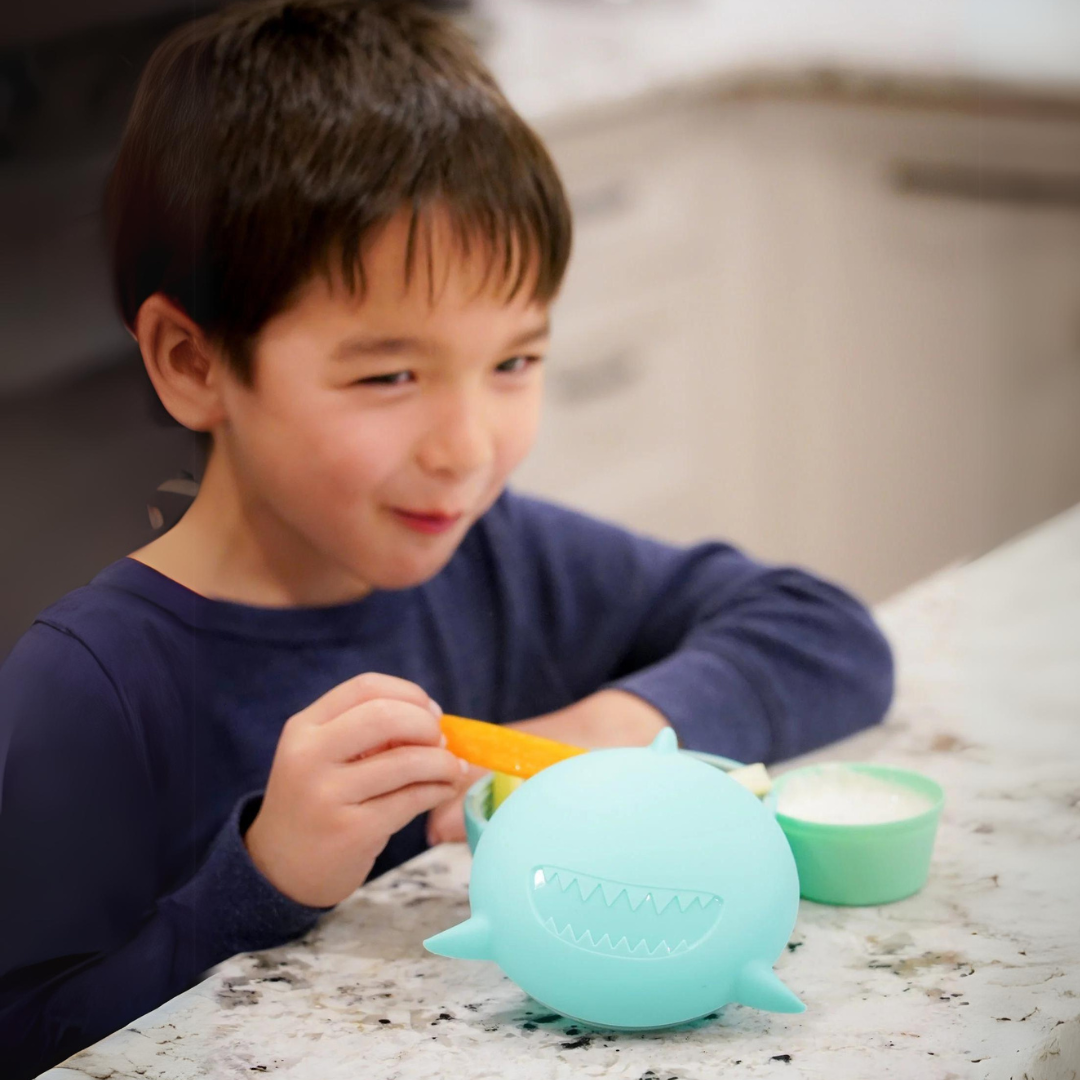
(373, 345)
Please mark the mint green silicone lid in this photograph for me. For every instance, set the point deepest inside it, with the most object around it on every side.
(477, 804)
(862, 864)
(632, 888)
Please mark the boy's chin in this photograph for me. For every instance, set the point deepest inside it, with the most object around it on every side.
(407, 575)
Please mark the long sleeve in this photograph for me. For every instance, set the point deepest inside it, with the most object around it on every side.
(85, 944)
(754, 662)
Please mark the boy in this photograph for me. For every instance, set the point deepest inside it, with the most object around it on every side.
(337, 246)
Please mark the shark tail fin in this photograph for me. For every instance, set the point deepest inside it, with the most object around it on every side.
(469, 940)
(760, 987)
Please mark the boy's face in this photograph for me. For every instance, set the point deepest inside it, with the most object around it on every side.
(364, 411)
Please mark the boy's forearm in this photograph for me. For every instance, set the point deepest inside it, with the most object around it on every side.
(225, 908)
(606, 718)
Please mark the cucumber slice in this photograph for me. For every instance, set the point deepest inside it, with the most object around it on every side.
(755, 777)
(502, 785)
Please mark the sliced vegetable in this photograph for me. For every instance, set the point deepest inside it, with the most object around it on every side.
(503, 749)
(753, 777)
(502, 786)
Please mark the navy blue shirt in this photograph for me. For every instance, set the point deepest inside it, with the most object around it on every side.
(138, 722)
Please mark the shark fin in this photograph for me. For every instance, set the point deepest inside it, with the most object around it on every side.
(666, 742)
(466, 941)
(759, 987)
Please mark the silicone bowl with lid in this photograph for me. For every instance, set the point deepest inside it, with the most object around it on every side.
(631, 888)
(862, 864)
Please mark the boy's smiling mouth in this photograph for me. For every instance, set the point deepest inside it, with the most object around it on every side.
(440, 514)
(428, 522)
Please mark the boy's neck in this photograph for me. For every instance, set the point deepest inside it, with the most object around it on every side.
(226, 550)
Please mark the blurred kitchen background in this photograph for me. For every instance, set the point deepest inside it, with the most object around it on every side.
(824, 301)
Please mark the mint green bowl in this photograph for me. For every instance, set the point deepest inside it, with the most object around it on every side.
(862, 864)
(478, 797)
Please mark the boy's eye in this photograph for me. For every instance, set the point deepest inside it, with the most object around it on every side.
(517, 364)
(393, 378)
(513, 366)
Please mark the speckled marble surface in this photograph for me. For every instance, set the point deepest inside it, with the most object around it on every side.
(978, 975)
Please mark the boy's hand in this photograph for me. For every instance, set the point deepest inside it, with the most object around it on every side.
(446, 823)
(349, 771)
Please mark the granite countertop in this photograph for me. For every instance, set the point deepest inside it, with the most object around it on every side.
(977, 975)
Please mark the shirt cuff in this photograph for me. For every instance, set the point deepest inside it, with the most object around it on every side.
(233, 907)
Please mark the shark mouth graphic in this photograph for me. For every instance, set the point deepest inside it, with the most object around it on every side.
(619, 918)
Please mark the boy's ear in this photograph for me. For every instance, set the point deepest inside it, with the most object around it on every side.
(184, 367)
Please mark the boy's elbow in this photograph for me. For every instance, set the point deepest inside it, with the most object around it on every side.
(883, 678)
(853, 692)
(859, 660)
(851, 648)
(874, 675)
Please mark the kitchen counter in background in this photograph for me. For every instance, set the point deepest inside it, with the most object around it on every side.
(557, 59)
(977, 976)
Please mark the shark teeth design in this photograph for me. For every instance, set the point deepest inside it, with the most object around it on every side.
(620, 918)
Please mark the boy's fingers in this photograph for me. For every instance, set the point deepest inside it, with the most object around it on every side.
(372, 725)
(446, 822)
(361, 688)
(399, 768)
(398, 808)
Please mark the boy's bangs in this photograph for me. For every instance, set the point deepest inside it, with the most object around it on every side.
(515, 252)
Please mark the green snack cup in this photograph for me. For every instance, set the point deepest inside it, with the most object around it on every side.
(862, 864)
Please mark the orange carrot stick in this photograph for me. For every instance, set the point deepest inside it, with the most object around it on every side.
(503, 749)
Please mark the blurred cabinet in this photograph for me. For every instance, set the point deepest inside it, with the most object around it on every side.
(848, 337)
(620, 431)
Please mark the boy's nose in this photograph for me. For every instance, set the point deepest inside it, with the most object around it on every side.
(459, 440)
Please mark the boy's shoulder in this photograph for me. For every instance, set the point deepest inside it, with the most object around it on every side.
(80, 670)
(546, 549)
(103, 597)
(103, 617)
(553, 536)
(535, 519)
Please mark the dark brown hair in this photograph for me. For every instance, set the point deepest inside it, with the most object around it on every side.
(270, 138)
